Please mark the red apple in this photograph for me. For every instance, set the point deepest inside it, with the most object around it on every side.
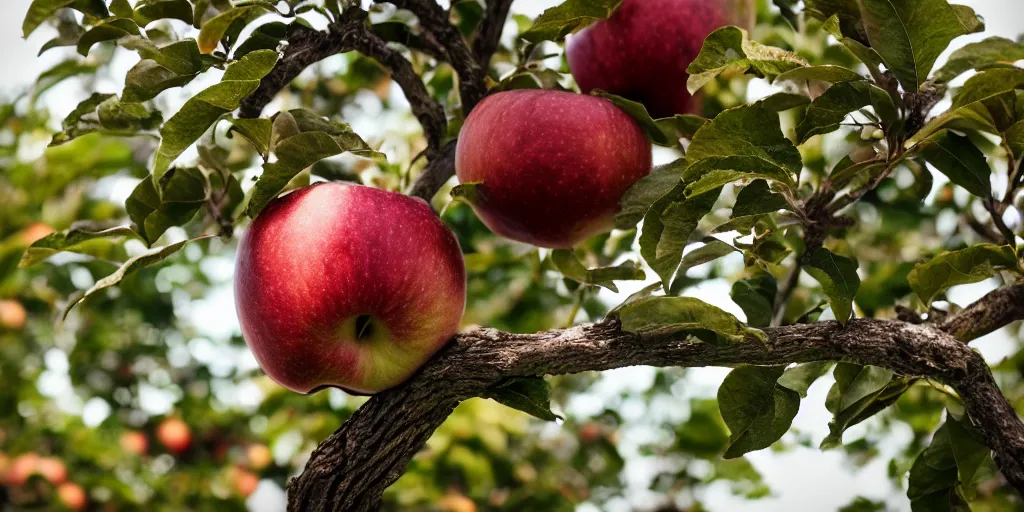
(551, 165)
(175, 435)
(641, 52)
(258, 456)
(134, 443)
(21, 468)
(348, 286)
(244, 481)
(12, 314)
(71, 495)
(34, 232)
(52, 469)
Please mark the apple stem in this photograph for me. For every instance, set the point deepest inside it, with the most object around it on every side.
(364, 327)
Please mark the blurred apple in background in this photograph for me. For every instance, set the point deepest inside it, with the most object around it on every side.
(348, 286)
(134, 442)
(175, 435)
(12, 315)
(549, 167)
(71, 495)
(52, 469)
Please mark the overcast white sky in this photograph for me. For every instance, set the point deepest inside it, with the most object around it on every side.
(803, 479)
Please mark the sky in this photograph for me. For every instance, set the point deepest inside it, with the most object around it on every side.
(802, 478)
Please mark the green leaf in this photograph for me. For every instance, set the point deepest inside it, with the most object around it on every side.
(960, 160)
(1015, 139)
(184, 192)
(257, 131)
(970, 21)
(121, 8)
(951, 268)
(969, 448)
(58, 73)
(528, 394)
(800, 377)
(743, 142)
(67, 240)
(994, 51)
(710, 251)
(160, 69)
(318, 138)
(104, 113)
(570, 16)
(757, 410)
(756, 297)
(970, 108)
(639, 113)
(729, 49)
(203, 110)
(215, 29)
(667, 228)
(680, 126)
(639, 198)
(950, 463)
(107, 30)
(825, 73)
(268, 36)
(853, 378)
(830, 109)
(566, 261)
(854, 383)
(757, 199)
(909, 35)
(148, 11)
(39, 11)
(845, 12)
(665, 316)
(838, 278)
(148, 258)
(780, 102)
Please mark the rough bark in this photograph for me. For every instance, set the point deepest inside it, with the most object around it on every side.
(350, 470)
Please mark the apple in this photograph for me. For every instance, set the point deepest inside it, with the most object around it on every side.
(175, 435)
(590, 432)
(52, 469)
(34, 232)
(550, 166)
(642, 51)
(454, 502)
(71, 495)
(347, 286)
(134, 443)
(258, 456)
(12, 314)
(21, 468)
(244, 481)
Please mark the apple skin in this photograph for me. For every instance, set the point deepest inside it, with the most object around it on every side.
(319, 261)
(52, 469)
(134, 442)
(641, 52)
(551, 165)
(175, 435)
(71, 495)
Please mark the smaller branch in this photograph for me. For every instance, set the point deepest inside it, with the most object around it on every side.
(993, 311)
(996, 210)
(489, 34)
(440, 168)
(779, 308)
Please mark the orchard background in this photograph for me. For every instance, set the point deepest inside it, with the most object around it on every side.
(90, 394)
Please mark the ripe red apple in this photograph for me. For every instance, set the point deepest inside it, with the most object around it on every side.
(71, 495)
(551, 165)
(348, 286)
(12, 315)
(641, 52)
(175, 435)
(243, 480)
(134, 443)
(258, 456)
(21, 468)
(52, 469)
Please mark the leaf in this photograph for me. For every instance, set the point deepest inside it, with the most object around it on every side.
(838, 278)
(67, 241)
(991, 52)
(121, 8)
(756, 199)
(909, 35)
(148, 11)
(639, 113)
(970, 21)
(854, 383)
(826, 73)
(757, 410)
(960, 160)
(642, 194)
(566, 261)
(528, 394)
(1015, 139)
(862, 409)
(756, 297)
(104, 113)
(950, 463)
(257, 131)
(965, 266)
(782, 101)
(107, 30)
(830, 109)
(970, 108)
(667, 228)
(664, 316)
(800, 377)
(148, 258)
(680, 126)
(215, 29)
(743, 142)
(570, 16)
(710, 251)
(160, 69)
(58, 73)
(729, 49)
(268, 36)
(205, 108)
(184, 192)
(39, 11)
(845, 12)
(318, 138)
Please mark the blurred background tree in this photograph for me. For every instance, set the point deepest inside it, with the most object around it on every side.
(146, 397)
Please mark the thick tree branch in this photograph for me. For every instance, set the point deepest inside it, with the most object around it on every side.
(440, 168)
(489, 34)
(350, 470)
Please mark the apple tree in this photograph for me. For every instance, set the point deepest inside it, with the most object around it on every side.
(816, 158)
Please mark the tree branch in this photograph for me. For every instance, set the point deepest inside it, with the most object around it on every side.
(350, 470)
(489, 34)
